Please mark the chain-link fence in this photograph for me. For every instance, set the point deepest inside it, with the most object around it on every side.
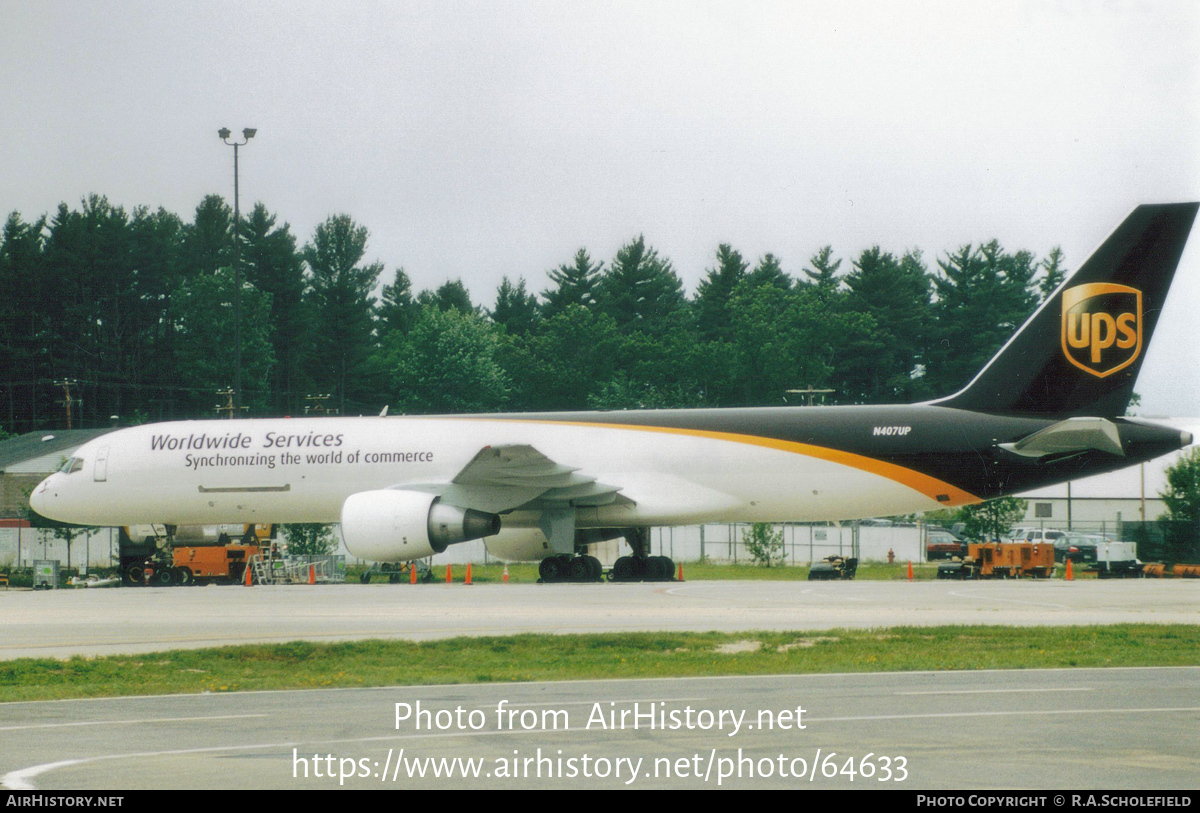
(1167, 541)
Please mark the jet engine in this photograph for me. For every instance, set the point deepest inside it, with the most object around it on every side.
(398, 526)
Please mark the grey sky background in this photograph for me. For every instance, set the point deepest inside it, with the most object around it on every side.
(483, 139)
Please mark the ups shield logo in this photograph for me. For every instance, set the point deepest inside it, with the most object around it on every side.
(1102, 327)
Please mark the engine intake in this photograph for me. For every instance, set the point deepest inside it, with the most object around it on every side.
(397, 526)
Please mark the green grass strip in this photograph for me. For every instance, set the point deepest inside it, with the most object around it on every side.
(304, 665)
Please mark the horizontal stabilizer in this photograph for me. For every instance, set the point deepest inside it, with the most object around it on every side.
(1071, 435)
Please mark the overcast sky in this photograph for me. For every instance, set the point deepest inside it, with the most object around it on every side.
(482, 139)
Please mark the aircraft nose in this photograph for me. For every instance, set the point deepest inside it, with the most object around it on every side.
(41, 498)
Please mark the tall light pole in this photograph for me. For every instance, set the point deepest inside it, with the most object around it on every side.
(247, 134)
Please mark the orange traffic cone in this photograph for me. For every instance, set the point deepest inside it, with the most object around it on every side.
(412, 573)
(680, 572)
(248, 575)
(312, 574)
(468, 581)
(504, 578)
(910, 576)
(1070, 574)
(448, 579)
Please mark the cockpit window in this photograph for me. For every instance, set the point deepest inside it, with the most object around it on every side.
(71, 466)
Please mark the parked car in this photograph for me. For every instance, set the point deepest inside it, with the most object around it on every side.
(1077, 547)
(1035, 535)
(943, 544)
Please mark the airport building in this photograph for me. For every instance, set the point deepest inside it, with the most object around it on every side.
(1101, 503)
(25, 460)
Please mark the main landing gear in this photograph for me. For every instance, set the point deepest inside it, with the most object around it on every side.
(570, 569)
(642, 569)
(581, 569)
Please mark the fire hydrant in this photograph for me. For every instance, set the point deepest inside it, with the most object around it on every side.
(891, 556)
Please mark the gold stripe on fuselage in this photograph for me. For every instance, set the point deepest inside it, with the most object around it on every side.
(933, 488)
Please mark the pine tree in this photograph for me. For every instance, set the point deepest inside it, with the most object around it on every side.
(983, 295)
(823, 273)
(1055, 273)
(714, 291)
(343, 309)
(156, 253)
(641, 290)
(896, 294)
(576, 285)
(207, 239)
(769, 271)
(397, 308)
(272, 264)
(516, 310)
(450, 295)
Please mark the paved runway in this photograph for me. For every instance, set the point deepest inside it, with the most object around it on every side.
(1119, 728)
(126, 620)
(62, 623)
(1032, 729)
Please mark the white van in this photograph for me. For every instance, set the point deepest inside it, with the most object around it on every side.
(1035, 535)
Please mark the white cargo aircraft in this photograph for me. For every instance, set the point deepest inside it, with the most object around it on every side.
(1048, 408)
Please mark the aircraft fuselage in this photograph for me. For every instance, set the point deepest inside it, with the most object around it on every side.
(672, 466)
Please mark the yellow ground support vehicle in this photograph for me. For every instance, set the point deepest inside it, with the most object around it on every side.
(1001, 560)
(1158, 570)
(170, 556)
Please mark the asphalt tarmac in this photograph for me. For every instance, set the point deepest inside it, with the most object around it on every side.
(69, 622)
(1118, 728)
(981, 730)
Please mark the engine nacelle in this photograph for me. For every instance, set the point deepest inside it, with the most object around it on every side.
(398, 526)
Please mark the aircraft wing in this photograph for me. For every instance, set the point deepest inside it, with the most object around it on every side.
(1069, 436)
(501, 478)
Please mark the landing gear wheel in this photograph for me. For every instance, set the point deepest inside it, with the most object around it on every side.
(549, 570)
(135, 574)
(652, 568)
(185, 576)
(625, 569)
(580, 569)
(664, 569)
(164, 576)
(577, 570)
